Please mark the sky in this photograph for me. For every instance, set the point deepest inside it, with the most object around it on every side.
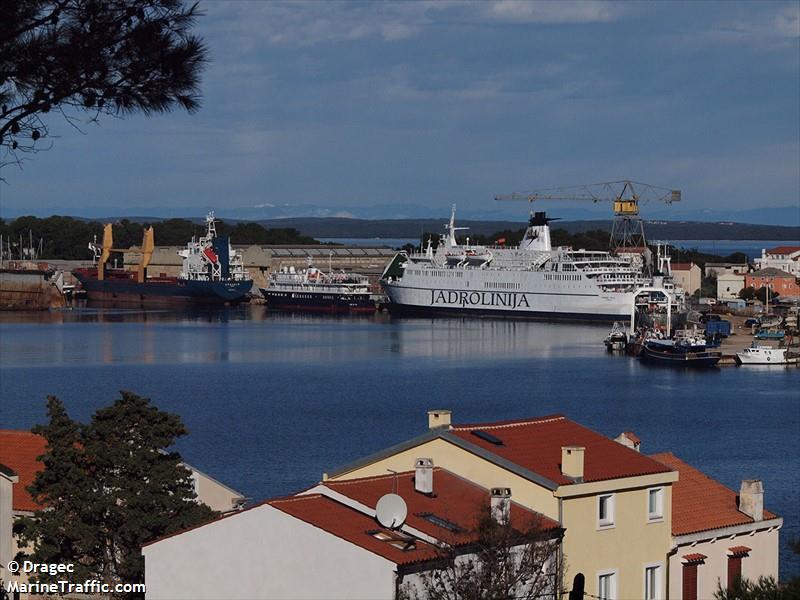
(380, 109)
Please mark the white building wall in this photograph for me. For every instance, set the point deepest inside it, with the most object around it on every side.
(264, 553)
(763, 560)
(6, 523)
(785, 262)
(729, 285)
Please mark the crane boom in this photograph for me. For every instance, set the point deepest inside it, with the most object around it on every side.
(626, 195)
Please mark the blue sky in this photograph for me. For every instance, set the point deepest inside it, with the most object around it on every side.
(401, 109)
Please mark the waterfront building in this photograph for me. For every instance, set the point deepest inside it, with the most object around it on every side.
(627, 522)
(715, 269)
(687, 276)
(785, 258)
(729, 285)
(325, 542)
(782, 282)
(717, 536)
(8, 480)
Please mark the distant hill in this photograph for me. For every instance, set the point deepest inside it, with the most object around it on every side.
(341, 227)
(337, 227)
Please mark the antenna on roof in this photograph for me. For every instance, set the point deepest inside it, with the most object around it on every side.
(391, 511)
(394, 480)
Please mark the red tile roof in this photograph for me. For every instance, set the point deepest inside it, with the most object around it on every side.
(695, 557)
(455, 500)
(681, 266)
(739, 550)
(700, 503)
(535, 444)
(19, 451)
(351, 525)
(783, 250)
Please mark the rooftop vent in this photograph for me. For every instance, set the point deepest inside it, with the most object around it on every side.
(501, 503)
(423, 475)
(629, 439)
(487, 437)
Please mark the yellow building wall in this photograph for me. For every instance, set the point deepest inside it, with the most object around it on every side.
(626, 548)
(468, 466)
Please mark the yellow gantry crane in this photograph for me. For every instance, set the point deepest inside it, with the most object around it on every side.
(627, 230)
(107, 248)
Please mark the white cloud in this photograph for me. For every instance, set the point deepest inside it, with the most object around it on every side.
(522, 11)
(306, 23)
(762, 30)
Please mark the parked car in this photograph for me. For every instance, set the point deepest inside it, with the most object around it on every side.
(751, 322)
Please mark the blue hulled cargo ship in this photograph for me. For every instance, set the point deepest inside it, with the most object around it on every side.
(212, 273)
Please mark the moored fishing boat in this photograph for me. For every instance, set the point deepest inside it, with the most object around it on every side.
(617, 339)
(758, 354)
(679, 353)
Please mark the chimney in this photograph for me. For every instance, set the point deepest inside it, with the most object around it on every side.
(751, 499)
(572, 461)
(438, 418)
(423, 475)
(501, 503)
(629, 439)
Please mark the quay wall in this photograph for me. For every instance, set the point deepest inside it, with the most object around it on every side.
(260, 261)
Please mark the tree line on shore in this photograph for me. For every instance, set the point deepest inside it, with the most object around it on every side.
(67, 238)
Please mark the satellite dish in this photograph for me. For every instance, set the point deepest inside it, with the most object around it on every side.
(391, 511)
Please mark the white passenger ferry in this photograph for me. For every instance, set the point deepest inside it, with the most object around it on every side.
(533, 280)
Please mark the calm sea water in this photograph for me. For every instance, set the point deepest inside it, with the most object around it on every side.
(273, 400)
(752, 248)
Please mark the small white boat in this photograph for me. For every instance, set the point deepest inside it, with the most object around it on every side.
(758, 354)
(617, 339)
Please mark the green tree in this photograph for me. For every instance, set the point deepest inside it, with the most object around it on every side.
(93, 58)
(107, 488)
(503, 562)
(747, 293)
(765, 588)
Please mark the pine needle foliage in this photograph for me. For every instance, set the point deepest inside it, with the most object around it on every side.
(107, 488)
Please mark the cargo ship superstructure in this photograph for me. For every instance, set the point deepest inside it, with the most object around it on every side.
(212, 273)
(311, 289)
(533, 280)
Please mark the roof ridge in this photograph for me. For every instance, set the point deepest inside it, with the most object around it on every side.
(357, 480)
(296, 498)
(505, 425)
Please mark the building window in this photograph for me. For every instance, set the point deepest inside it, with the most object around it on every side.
(655, 504)
(735, 556)
(652, 582)
(605, 510)
(690, 564)
(607, 585)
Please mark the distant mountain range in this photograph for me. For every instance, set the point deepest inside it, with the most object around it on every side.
(494, 211)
